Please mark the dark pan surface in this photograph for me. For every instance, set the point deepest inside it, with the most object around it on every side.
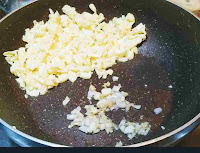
(170, 56)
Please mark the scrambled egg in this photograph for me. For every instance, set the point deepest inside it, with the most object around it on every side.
(73, 45)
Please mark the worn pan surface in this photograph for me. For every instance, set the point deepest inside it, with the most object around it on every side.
(169, 56)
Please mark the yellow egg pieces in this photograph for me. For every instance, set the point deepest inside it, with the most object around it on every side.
(73, 45)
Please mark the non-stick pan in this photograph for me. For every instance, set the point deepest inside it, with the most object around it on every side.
(164, 74)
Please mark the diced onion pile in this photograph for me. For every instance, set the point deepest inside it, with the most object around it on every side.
(110, 99)
(131, 129)
(96, 120)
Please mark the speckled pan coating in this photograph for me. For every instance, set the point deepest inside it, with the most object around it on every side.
(169, 56)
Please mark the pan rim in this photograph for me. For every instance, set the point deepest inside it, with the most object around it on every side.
(145, 143)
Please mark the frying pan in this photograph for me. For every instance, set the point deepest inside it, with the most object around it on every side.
(169, 57)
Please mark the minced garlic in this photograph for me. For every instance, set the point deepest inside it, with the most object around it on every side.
(110, 98)
(131, 129)
(94, 121)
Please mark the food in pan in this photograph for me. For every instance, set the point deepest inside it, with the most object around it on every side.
(96, 120)
(76, 45)
(73, 45)
(132, 129)
(110, 98)
(66, 101)
(119, 144)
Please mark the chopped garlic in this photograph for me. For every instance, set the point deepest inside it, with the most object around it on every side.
(94, 121)
(71, 46)
(162, 127)
(114, 78)
(157, 110)
(66, 101)
(119, 144)
(131, 129)
(110, 98)
(170, 87)
(137, 106)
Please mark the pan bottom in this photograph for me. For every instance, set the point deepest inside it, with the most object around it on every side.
(145, 81)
